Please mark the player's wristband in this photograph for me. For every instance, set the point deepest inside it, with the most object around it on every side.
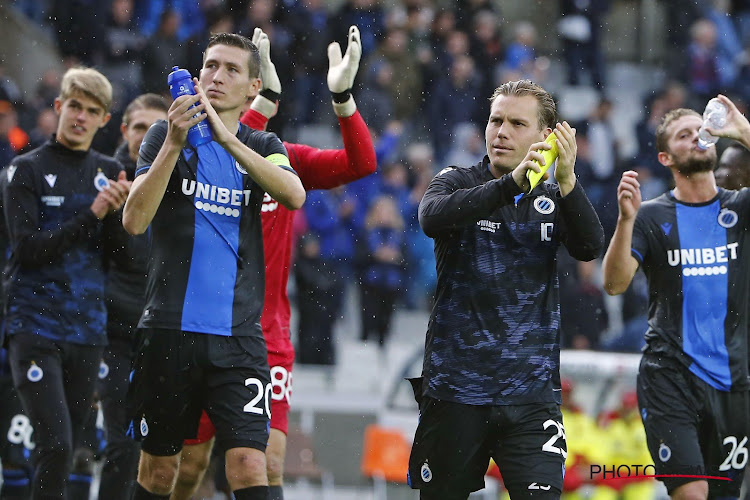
(264, 106)
(341, 97)
(270, 95)
(345, 109)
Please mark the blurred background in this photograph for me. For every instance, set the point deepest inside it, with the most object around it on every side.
(428, 68)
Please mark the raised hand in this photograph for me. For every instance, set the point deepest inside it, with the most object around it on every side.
(528, 163)
(629, 195)
(343, 70)
(268, 75)
(111, 198)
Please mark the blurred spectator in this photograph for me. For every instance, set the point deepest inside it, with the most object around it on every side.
(383, 261)
(47, 90)
(521, 52)
(467, 146)
(79, 30)
(375, 101)
(218, 20)
(580, 28)
(16, 136)
(315, 305)
(729, 49)
(405, 83)
(369, 17)
(604, 158)
(6, 149)
(467, 11)
(703, 71)
(46, 125)
(582, 293)
(123, 51)
(422, 277)
(163, 51)
(455, 100)
(260, 14)
(486, 46)
(333, 220)
(9, 90)
(310, 32)
(150, 14)
(678, 17)
(733, 171)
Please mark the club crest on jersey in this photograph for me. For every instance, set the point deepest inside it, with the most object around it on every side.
(425, 473)
(51, 179)
(103, 370)
(239, 168)
(544, 205)
(144, 427)
(665, 453)
(34, 373)
(100, 181)
(727, 218)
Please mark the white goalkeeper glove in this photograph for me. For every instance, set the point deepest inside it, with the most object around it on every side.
(270, 88)
(342, 71)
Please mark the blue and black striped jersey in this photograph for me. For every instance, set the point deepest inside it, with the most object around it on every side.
(494, 333)
(55, 276)
(206, 269)
(695, 257)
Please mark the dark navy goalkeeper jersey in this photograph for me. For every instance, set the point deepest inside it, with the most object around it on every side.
(695, 257)
(206, 267)
(494, 333)
(55, 276)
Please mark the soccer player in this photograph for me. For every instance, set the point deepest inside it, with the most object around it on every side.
(318, 169)
(125, 291)
(60, 209)
(691, 243)
(201, 344)
(490, 384)
(733, 169)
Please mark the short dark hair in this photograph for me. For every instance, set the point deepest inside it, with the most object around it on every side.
(547, 109)
(241, 42)
(661, 131)
(145, 101)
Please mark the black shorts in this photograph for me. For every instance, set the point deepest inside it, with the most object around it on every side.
(177, 374)
(454, 443)
(16, 431)
(691, 427)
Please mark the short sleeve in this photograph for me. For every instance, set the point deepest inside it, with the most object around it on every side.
(639, 245)
(152, 143)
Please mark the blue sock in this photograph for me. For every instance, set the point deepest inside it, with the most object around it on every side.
(16, 484)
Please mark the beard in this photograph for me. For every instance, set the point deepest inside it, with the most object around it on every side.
(696, 165)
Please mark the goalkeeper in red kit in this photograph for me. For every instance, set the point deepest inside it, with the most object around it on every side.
(317, 169)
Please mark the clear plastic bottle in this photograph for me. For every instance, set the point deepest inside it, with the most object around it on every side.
(180, 83)
(715, 117)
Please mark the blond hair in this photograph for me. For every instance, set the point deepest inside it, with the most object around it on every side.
(88, 82)
(546, 110)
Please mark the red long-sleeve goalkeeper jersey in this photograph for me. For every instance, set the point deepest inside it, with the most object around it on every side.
(317, 169)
